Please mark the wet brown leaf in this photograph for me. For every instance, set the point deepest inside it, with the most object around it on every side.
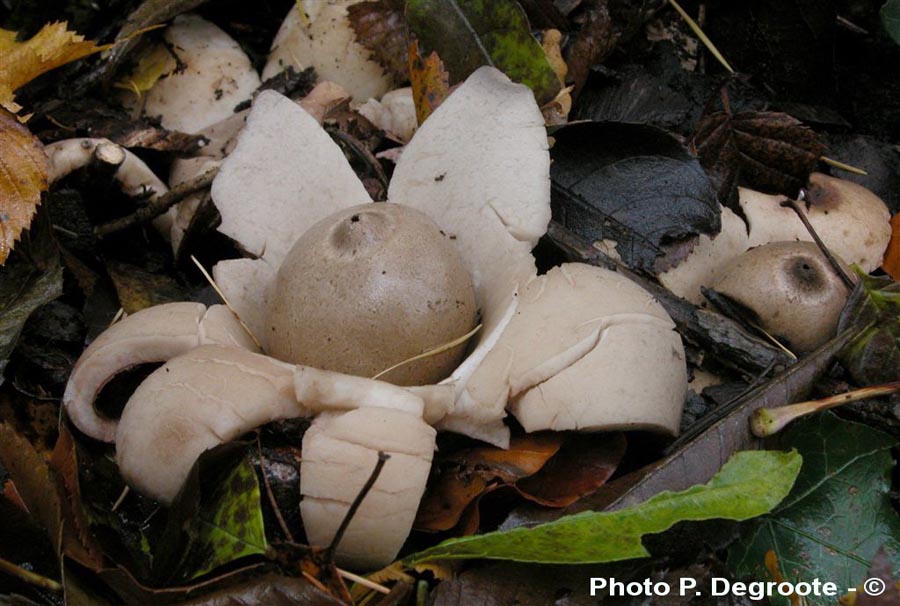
(582, 465)
(881, 569)
(464, 476)
(767, 151)
(33, 481)
(23, 176)
(138, 288)
(381, 27)
(592, 44)
(429, 80)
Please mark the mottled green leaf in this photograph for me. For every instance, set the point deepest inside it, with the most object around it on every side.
(470, 33)
(231, 524)
(890, 18)
(750, 484)
(874, 308)
(839, 513)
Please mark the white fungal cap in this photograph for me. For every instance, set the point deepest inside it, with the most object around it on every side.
(395, 114)
(853, 222)
(326, 41)
(479, 167)
(151, 335)
(705, 261)
(214, 75)
(339, 453)
(590, 350)
(205, 397)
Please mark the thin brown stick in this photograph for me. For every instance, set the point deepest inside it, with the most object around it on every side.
(355, 578)
(32, 578)
(160, 205)
(382, 459)
(363, 152)
(792, 204)
(271, 495)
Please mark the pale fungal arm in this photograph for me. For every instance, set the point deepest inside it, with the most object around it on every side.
(151, 335)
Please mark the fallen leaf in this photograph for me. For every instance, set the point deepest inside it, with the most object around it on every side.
(470, 33)
(32, 278)
(380, 26)
(53, 46)
(595, 40)
(551, 44)
(461, 477)
(429, 80)
(33, 480)
(582, 465)
(154, 63)
(767, 151)
(890, 19)
(633, 186)
(23, 176)
(138, 288)
(882, 569)
(873, 357)
(839, 513)
(268, 590)
(891, 264)
(750, 484)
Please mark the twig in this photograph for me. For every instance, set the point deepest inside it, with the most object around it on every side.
(846, 23)
(363, 581)
(382, 459)
(843, 166)
(271, 495)
(32, 578)
(121, 498)
(703, 37)
(160, 205)
(792, 204)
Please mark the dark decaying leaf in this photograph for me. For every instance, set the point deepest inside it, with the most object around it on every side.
(595, 40)
(33, 481)
(51, 342)
(380, 26)
(874, 356)
(890, 19)
(839, 513)
(30, 278)
(881, 569)
(633, 185)
(268, 590)
(470, 33)
(159, 139)
(767, 151)
(138, 288)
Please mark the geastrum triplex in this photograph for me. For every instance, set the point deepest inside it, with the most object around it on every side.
(335, 284)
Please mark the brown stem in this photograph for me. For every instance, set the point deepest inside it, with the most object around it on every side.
(160, 205)
(32, 578)
(382, 459)
(792, 204)
(364, 154)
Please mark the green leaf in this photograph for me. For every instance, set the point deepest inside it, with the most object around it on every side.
(750, 484)
(230, 525)
(838, 515)
(873, 356)
(890, 18)
(470, 33)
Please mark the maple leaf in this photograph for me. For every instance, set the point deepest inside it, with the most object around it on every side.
(53, 46)
(429, 80)
(380, 26)
(23, 176)
(767, 151)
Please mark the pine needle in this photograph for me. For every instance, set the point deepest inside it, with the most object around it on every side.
(215, 286)
(847, 167)
(432, 352)
(700, 34)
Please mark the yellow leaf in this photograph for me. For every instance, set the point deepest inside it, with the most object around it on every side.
(429, 80)
(891, 263)
(50, 48)
(23, 176)
(153, 64)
